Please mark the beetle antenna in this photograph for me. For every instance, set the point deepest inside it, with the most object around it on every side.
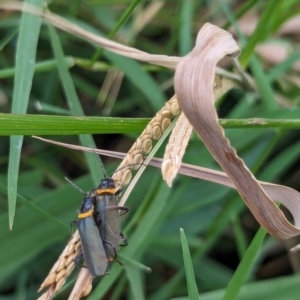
(100, 163)
(75, 186)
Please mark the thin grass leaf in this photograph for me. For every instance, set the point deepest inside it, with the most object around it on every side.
(25, 58)
(135, 282)
(36, 231)
(35, 208)
(244, 267)
(243, 9)
(74, 102)
(12, 124)
(185, 28)
(45, 107)
(123, 19)
(39, 67)
(282, 67)
(269, 13)
(8, 38)
(273, 289)
(233, 206)
(117, 292)
(189, 270)
(281, 163)
(263, 84)
(240, 238)
(135, 264)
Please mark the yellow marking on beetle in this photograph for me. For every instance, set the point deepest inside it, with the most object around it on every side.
(109, 191)
(89, 213)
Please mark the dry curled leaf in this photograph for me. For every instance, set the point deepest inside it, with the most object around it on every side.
(193, 82)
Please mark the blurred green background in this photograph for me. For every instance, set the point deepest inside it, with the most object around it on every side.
(47, 72)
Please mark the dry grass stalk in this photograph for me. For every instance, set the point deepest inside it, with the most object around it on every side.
(143, 145)
(83, 285)
(182, 131)
(109, 91)
(65, 264)
(62, 268)
(176, 148)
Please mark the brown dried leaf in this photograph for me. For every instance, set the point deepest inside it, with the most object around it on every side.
(193, 82)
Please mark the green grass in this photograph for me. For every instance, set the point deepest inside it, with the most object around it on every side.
(221, 253)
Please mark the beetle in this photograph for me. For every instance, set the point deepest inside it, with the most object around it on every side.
(99, 209)
(107, 217)
(92, 246)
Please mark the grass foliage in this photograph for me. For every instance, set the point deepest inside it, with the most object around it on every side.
(51, 85)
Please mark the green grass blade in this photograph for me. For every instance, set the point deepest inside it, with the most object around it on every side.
(272, 289)
(39, 67)
(74, 103)
(213, 233)
(245, 7)
(136, 283)
(281, 163)
(34, 231)
(269, 14)
(124, 18)
(263, 84)
(189, 270)
(25, 58)
(241, 241)
(185, 28)
(36, 209)
(11, 124)
(282, 67)
(244, 267)
(49, 108)
(8, 38)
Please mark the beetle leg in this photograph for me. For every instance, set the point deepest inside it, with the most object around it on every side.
(124, 239)
(124, 210)
(115, 252)
(77, 260)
